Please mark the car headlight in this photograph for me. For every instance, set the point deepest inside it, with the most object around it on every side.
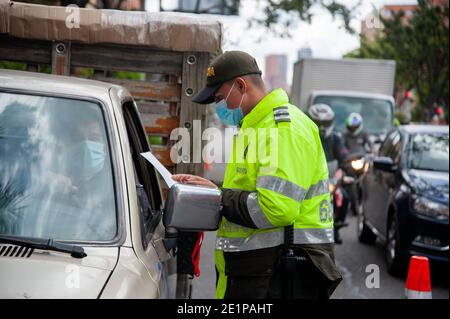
(431, 209)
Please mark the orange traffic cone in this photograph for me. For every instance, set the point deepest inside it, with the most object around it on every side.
(418, 283)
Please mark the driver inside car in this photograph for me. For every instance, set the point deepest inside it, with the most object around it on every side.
(83, 163)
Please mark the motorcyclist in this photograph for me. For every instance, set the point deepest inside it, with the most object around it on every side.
(334, 149)
(357, 142)
(355, 138)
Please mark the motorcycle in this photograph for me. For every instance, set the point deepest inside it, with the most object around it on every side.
(338, 180)
(357, 168)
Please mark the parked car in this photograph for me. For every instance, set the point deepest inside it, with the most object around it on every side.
(81, 211)
(405, 196)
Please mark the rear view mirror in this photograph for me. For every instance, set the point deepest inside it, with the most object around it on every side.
(384, 164)
(192, 208)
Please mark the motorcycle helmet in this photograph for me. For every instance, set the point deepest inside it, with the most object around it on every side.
(323, 116)
(354, 123)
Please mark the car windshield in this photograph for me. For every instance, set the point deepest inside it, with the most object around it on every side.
(376, 113)
(428, 152)
(55, 170)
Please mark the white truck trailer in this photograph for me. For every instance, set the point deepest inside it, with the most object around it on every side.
(348, 85)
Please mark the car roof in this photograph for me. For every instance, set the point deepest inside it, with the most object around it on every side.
(424, 128)
(54, 84)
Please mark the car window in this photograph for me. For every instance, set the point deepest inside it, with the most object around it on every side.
(147, 186)
(56, 177)
(429, 152)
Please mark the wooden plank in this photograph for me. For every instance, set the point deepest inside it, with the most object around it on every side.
(154, 107)
(162, 153)
(157, 119)
(157, 123)
(156, 91)
(126, 58)
(195, 65)
(174, 107)
(25, 50)
(61, 58)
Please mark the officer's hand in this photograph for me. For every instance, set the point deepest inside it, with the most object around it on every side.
(192, 179)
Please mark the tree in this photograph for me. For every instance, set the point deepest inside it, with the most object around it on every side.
(287, 12)
(421, 51)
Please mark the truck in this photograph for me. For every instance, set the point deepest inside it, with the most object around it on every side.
(80, 208)
(348, 85)
(154, 61)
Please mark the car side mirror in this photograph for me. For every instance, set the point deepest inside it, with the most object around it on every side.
(192, 208)
(384, 164)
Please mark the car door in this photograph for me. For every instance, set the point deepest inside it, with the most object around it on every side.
(372, 192)
(151, 249)
(385, 181)
(388, 180)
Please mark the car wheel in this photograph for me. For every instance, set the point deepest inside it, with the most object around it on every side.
(395, 258)
(365, 234)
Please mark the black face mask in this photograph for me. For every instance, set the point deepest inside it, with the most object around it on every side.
(352, 129)
(325, 128)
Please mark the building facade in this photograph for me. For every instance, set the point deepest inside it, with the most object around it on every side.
(276, 72)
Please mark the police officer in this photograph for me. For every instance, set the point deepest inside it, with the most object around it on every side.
(275, 239)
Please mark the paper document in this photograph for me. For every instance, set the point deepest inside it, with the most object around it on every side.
(160, 168)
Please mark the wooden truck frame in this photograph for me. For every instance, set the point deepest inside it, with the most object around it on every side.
(171, 50)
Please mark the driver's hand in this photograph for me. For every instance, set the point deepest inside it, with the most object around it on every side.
(194, 180)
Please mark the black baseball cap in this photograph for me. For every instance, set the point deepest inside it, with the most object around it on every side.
(223, 68)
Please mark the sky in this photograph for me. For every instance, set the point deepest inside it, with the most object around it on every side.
(325, 37)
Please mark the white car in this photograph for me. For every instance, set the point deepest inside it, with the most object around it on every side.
(81, 211)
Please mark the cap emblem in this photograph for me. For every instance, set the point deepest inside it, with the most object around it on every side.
(210, 72)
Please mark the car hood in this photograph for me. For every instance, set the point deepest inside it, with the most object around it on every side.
(430, 184)
(48, 274)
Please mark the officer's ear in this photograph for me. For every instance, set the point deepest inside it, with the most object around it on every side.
(242, 86)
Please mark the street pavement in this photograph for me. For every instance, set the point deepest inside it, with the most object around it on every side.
(352, 257)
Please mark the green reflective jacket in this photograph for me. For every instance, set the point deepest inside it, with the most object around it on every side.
(278, 168)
